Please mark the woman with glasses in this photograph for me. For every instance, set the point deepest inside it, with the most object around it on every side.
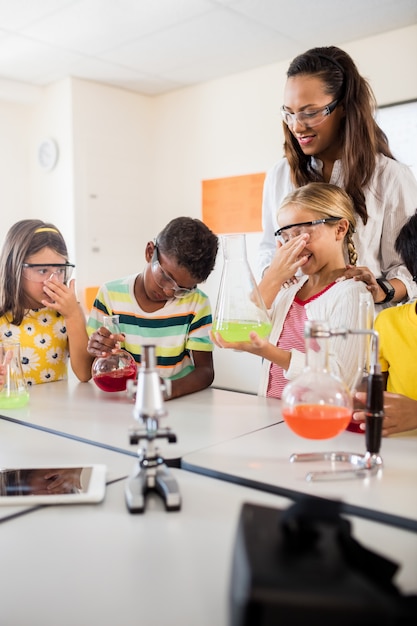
(38, 303)
(163, 306)
(331, 136)
(317, 222)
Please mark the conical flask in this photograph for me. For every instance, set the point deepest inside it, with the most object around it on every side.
(13, 391)
(316, 404)
(111, 373)
(240, 308)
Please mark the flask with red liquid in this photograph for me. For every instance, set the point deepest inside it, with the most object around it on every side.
(317, 404)
(111, 373)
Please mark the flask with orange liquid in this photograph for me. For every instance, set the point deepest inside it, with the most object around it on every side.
(317, 404)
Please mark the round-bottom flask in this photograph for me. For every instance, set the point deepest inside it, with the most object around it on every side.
(111, 373)
(317, 404)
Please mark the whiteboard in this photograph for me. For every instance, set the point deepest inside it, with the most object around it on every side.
(399, 123)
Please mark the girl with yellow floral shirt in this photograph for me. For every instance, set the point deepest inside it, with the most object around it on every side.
(38, 304)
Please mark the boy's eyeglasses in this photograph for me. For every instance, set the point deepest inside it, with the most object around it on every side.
(164, 281)
(286, 233)
(39, 272)
(309, 119)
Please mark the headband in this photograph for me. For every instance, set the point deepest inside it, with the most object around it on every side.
(46, 229)
(336, 63)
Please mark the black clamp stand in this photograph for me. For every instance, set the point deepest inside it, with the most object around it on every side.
(370, 463)
(151, 472)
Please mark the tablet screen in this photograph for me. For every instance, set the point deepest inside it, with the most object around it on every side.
(43, 483)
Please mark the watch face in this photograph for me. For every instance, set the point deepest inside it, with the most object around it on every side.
(48, 154)
(387, 288)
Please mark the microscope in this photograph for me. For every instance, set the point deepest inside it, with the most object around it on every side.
(151, 471)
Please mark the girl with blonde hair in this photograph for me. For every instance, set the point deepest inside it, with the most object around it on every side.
(317, 223)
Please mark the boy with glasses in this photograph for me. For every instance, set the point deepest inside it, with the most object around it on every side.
(163, 306)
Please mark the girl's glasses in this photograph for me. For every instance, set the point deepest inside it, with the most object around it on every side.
(38, 272)
(286, 233)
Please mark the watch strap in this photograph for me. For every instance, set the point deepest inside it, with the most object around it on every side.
(387, 288)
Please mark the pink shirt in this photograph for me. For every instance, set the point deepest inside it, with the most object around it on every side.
(292, 336)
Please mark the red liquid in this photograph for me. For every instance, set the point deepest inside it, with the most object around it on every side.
(316, 421)
(117, 380)
(354, 427)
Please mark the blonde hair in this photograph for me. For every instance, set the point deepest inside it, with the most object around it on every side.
(326, 200)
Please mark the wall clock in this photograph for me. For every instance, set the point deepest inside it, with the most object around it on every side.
(48, 154)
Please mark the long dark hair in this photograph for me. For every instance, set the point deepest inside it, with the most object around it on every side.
(361, 137)
(24, 238)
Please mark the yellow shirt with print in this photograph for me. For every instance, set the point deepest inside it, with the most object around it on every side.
(43, 344)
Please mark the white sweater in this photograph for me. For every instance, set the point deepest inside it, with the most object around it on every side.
(339, 306)
(391, 198)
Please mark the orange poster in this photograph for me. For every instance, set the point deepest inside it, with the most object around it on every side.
(233, 204)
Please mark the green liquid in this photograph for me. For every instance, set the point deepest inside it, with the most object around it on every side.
(239, 331)
(14, 401)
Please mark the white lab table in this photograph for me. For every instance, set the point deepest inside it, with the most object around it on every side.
(97, 564)
(198, 420)
(21, 446)
(261, 460)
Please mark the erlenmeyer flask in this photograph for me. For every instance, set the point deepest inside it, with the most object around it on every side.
(317, 404)
(14, 392)
(111, 373)
(240, 308)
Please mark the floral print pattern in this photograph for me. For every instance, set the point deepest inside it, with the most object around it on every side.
(43, 344)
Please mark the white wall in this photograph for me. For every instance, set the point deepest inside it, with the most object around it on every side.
(52, 192)
(114, 205)
(129, 163)
(15, 123)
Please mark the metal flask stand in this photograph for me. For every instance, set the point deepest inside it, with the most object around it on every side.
(363, 465)
(151, 472)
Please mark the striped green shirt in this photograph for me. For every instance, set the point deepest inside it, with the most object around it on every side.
(180, 327)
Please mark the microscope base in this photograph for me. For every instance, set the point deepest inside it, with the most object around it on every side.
(145, 479)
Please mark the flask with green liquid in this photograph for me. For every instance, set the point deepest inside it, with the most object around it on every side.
(240, 308)
(13, 388)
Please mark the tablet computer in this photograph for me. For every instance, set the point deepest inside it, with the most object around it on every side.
(65, 484)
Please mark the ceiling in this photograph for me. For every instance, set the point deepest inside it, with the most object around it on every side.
(155, 46)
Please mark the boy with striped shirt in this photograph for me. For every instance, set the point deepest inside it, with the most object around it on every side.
(163, 306)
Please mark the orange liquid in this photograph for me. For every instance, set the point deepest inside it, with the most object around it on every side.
(317, 421)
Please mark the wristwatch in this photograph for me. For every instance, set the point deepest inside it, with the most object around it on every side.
(387, 288)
